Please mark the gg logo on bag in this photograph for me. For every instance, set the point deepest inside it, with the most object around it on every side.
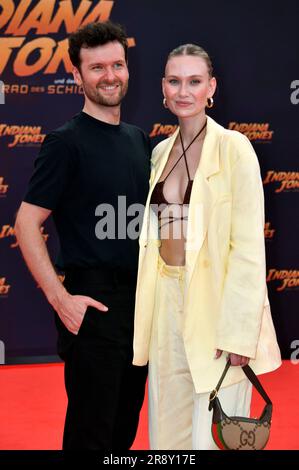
(247, 438)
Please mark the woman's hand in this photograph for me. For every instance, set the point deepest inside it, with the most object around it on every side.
(235, 359)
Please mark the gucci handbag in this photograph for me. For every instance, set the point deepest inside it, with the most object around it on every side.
(236, 432)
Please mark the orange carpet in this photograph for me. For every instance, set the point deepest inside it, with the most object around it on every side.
(33, 401)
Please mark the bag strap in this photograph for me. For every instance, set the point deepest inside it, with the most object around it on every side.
(250, 375)
(257, 384)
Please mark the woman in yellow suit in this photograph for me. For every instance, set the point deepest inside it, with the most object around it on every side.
(201, 292)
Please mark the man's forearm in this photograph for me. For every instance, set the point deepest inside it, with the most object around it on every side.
(37, 258)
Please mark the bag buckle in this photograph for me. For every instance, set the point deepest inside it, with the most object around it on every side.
(213, 395)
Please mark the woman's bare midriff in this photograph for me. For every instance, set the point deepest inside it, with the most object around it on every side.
(172, 248)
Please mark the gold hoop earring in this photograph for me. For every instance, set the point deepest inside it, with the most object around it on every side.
(210, 103)
(165, 103)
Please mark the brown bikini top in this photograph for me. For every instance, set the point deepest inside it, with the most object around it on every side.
(158, 198)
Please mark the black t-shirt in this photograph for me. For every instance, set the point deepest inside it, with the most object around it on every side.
(86, 170)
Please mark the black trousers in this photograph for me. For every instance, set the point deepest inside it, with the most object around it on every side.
(105, 391)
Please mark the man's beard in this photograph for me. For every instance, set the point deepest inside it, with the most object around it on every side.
(97, 97)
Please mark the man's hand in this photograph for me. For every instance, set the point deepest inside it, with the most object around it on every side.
(235, 359)
(72, 308)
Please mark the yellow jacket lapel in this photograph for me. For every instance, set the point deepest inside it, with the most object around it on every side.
(202, 198)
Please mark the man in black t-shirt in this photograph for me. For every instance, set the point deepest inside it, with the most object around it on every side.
(92, 175)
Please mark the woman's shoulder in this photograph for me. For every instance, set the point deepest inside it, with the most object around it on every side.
(229, 138)
(236, 138)
(237, 141)
(239, 149)
(233, 144)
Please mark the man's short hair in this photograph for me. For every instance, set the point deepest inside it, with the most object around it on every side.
(93, 35)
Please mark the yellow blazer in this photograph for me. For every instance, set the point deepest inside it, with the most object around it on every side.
(225, 303)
